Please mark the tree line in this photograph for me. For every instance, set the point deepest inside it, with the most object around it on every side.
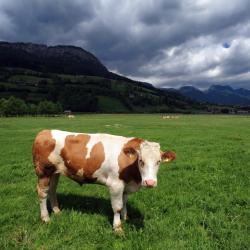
(13, 106)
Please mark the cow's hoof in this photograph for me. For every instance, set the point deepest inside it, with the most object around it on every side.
(45, 219)
(56, 210)
(119, 231)
(125, 218)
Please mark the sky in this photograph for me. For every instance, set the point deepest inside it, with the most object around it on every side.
(166, 43)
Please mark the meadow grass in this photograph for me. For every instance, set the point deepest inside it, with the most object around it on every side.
(201, 202)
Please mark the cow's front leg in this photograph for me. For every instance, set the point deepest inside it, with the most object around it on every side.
(124, 208)
(116, 193)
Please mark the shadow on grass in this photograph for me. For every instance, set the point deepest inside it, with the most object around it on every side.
(98, 205)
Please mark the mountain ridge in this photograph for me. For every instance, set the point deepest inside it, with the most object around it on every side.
(67, 59)
(40, 57)
(217, 94)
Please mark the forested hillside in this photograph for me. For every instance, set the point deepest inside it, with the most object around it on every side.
(75, 79)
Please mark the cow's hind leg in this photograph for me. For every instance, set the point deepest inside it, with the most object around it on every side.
(52, 193)
(42, 190)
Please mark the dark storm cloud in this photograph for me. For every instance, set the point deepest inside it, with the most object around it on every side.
(167, 43)
(43, 21)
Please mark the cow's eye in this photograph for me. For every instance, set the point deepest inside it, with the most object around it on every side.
(141, 162)
(158, 162)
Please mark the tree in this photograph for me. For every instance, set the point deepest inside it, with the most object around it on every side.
(59, 108)
(224, 111)
(15, 106)
(32, 109)
(49, 108)
(3, 104)
(46, 107)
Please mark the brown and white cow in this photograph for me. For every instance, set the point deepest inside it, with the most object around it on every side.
(123, 164)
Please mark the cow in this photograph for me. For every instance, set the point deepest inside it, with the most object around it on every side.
(122, 164)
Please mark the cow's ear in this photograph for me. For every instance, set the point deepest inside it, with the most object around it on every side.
(130, 152)
(168, 156)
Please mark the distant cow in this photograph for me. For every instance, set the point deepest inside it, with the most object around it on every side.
(123, 164)
(170, 117)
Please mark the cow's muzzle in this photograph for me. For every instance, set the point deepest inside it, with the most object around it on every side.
(150, 183)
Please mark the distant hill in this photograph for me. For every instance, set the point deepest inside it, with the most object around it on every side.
(218, 94)
(79, 81)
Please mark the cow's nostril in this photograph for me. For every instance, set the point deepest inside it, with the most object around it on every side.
(150, 183)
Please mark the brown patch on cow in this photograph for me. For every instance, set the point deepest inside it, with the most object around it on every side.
(75, 151)
(43, 145)
(128, 166)
(134, 143)
(168, 156)
(74, 156)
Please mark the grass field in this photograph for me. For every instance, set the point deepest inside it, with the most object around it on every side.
(201, 202)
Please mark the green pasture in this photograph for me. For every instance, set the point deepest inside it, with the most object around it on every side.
(201, 202)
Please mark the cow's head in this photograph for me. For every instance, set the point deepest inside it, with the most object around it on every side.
(149, 157)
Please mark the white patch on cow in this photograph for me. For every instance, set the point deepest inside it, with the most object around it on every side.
(55, 155)
(94, 139)
(108, 173)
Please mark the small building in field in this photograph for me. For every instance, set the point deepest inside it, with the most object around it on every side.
(67, 112)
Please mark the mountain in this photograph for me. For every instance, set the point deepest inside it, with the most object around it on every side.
(54, 59)
(218, 94)
(79, 81)
(243, 92)
(60, 59)
(193, 93)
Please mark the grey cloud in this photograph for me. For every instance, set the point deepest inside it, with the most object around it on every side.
(168, 43)
(239, 60)
(43, 21)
